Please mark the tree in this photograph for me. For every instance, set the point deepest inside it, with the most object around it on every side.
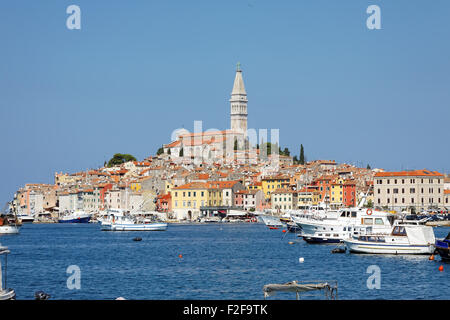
(119, 158)
(369, 204)
(181, 152)
(302, 155)
(368, 167)
(235, 144)
(295, 160)
(169, 152)
(286, 152)
(160, 151)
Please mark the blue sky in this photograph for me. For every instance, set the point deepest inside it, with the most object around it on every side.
(137, 70)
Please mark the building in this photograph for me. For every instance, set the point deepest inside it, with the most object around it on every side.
(249, 200)
(271, 183)
(284, 199)
(215, 145)
(418, 189)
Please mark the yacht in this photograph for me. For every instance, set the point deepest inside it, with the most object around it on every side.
(337, 225)
(443, 248)
(5, 292)
(272, 222)
(75, 217)
(406, 237)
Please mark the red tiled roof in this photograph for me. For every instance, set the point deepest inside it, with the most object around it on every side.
(413, 173)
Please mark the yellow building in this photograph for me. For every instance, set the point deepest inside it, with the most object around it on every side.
(337, 193)
(270, 184)
(308, 198)
(187, 199)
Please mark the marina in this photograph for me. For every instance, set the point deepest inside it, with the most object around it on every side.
(204, 261)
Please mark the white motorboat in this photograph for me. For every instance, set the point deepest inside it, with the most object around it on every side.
(25, 218)
(406, 237)
(7, 227)
(342, 224)
(272, 222)
(131, 223)
(5, 292)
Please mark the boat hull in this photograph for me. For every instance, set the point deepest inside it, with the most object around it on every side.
(9, 230)
(75, 220)
(315, 240)
(134, 227)
(443, 248)
(383, 248)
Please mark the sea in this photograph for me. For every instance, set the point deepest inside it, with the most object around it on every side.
(217, 261)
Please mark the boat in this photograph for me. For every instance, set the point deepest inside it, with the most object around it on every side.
(343, 224)
(8, 227)
(443, 247)
(25, 218)
(406, 237)
(5, 292)
(128, 222)
(272, 222)
(75, 217)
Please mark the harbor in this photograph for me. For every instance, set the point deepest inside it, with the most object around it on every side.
(205, 262)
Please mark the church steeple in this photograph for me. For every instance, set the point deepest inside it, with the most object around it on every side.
(238, 103)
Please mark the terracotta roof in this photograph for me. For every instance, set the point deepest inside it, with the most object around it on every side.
(446, 191)
(413, 173)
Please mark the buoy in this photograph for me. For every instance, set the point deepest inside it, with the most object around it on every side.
(180, 256)
(291, 242)
(301, 260)
(284, 231)
(431, 258)
(441, 268)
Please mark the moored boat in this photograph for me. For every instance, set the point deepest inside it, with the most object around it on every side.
(6, 227)
(443, 248)
(406, 237)
(131, 223)
(75, 217)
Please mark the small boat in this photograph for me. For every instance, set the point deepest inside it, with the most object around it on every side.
(272, 222)
(25, 218)
(7, 227)
(406, 237)
(75, 217)
(5, 293)
(443, 247)
(131, 223)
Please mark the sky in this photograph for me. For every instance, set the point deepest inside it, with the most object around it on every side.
(138, 70)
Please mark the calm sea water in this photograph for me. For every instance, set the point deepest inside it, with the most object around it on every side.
(219, 261)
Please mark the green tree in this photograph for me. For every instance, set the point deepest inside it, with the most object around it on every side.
(169, 152)
(295, 160)
(368, 166)
(181, 152)
(235, 144)
(120, 158)
(286, 152)
(160, 151)
(302, 155)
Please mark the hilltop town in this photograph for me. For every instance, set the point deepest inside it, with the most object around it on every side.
(227, 170)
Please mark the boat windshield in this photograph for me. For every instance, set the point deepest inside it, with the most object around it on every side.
(399, 231)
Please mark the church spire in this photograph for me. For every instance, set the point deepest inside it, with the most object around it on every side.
(238, 87)
(238, 103)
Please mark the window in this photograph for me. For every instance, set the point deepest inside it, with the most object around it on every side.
(379, 221)
(368, 221)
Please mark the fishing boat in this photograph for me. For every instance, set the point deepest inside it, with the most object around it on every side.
(5, 292)
(406, 237)
(443, 247)
(132, 223)
(8, 227)
(75, 217)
